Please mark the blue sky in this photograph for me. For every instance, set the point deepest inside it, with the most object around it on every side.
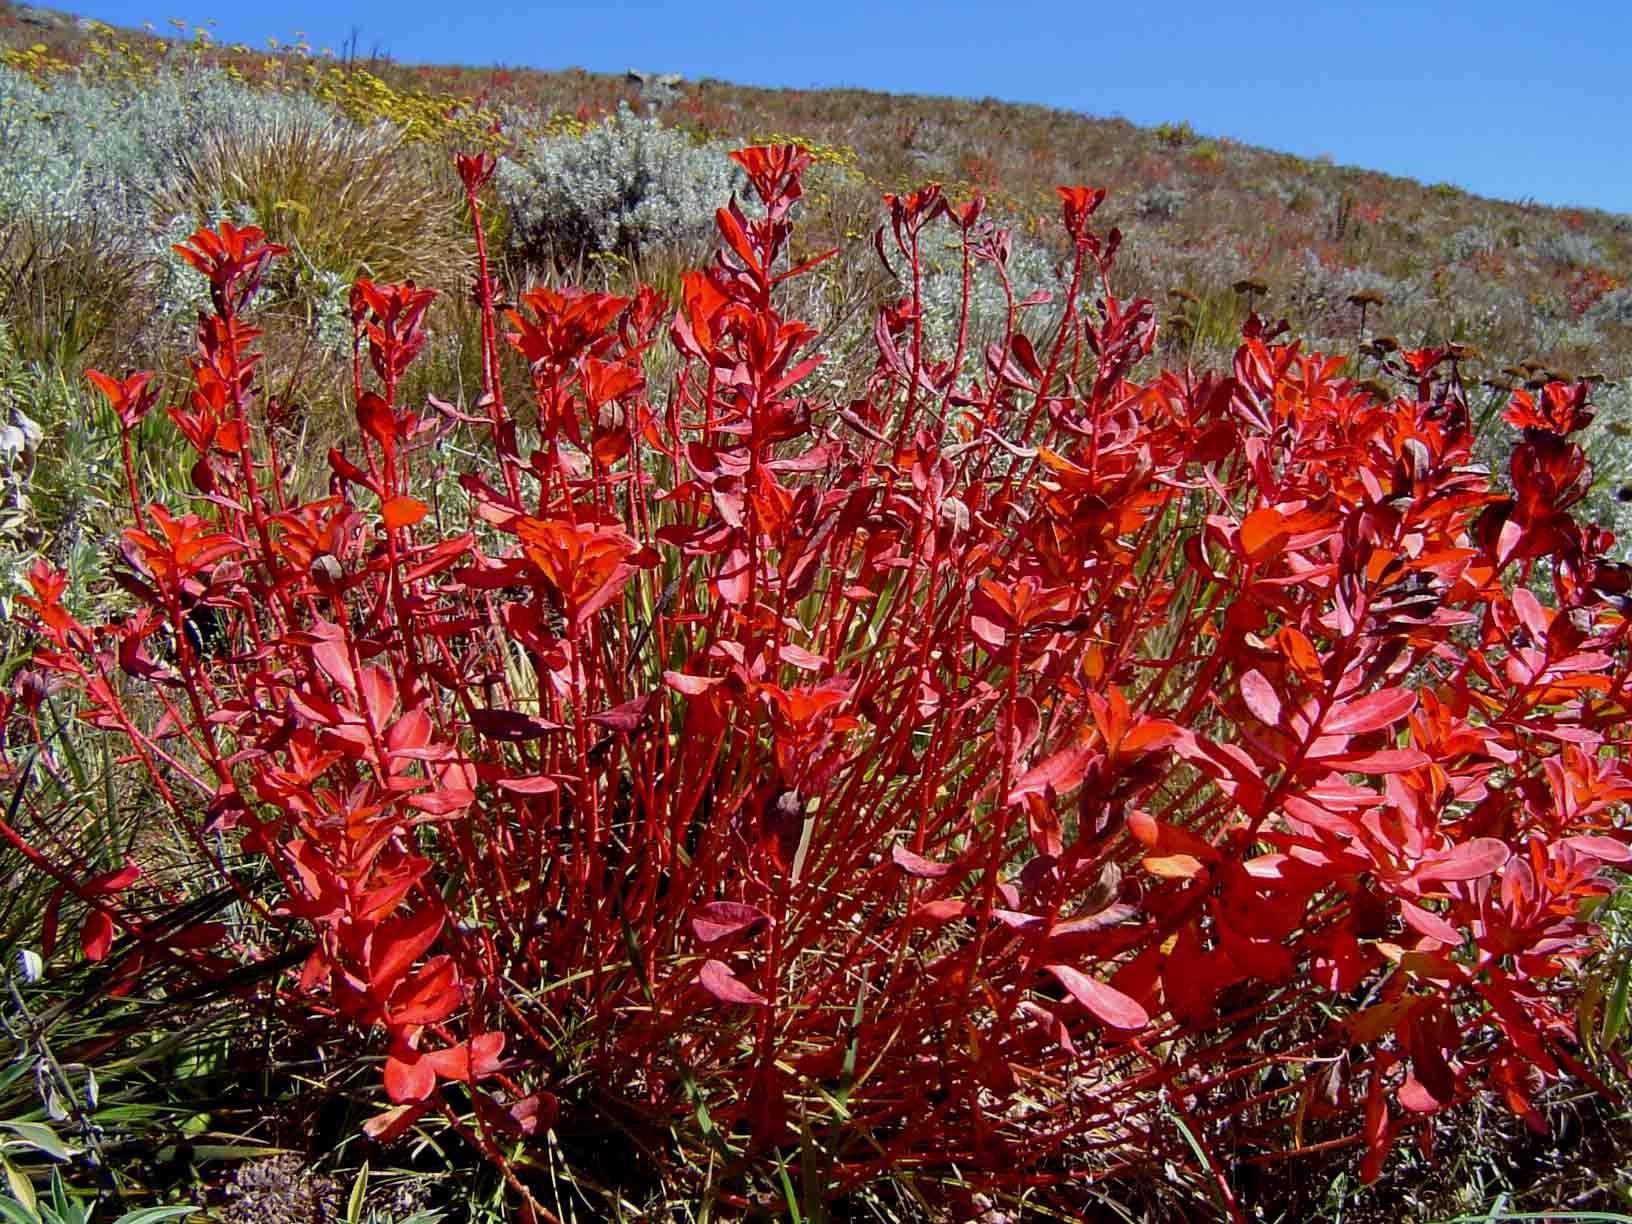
(1524, 101)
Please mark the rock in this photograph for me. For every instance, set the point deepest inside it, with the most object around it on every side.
(29, 15)
(658, 89)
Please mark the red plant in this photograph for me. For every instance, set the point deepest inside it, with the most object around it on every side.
(1585, 287)
(1040, 777)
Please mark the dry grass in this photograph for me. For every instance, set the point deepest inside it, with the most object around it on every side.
(348, 200)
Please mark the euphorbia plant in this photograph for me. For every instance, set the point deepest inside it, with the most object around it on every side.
(1036, 777)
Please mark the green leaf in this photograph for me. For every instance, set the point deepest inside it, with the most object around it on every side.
(59, 1196)
(40, 1137)
(152, 1215)
(69, 1210)
(11, 1212)
(1615, 1011)
(22, 1189)
(207, 1153)
(359, 1191)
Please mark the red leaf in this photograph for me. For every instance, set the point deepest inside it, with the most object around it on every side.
(798, 656)
(1469, 861)
(330, 655)
(1144, 828)
(918, 865)
(717, 978)
(375, 417)
(732, 580)
(511, 725)
(935, 913)
(1369, 713)
(539, 785)
(1060, 773)
(725, 919)
(472, 1060)
(1604, 849)
(393, 1123)
(408, 1077)
(1413, 1096)
(1105, 1002)
(403, 511)
(1377, 1130)
(96, 936)
(1261, 698)
(988, 631)
(1430, 924)
(1387, 761)
(112, 881)
(397, 944)
(691, 686)
(430, 995)
(379, 692)
(1264, 533)
(625, 717)
(1174, 866)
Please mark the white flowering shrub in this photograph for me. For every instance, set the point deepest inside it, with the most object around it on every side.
(627, 184)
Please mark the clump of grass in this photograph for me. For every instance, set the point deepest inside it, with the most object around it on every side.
(351, 200)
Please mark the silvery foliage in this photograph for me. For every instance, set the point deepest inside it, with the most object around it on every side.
(1608, 443)
(1319, 282)
(1578, 334)
(1031, 266)
(45, 503)
(1162, 202)
(625, 185)
(1613, 307)
(329, 294)
(1471, 240)
(179, 292)
(91, 157)
(1297, 193)
(1567, 249)
(20, 438)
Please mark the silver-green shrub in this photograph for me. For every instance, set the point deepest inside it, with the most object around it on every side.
(48, 505)
(20, 438)
(1608, 443)
(1613, 307)
(1567, 249)
(1162, 202)
(1032, 268)
(1471, 240)
(91, 158)
(626, 185)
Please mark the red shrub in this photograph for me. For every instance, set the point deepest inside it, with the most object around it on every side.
(1012, 777)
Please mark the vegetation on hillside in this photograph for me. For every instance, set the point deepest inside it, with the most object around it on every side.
(559, 666)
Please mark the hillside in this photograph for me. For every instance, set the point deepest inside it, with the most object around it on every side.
(1518, 281)
(584, 647)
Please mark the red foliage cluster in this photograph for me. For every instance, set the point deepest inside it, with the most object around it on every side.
(1018, 776)
(1585, 287)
